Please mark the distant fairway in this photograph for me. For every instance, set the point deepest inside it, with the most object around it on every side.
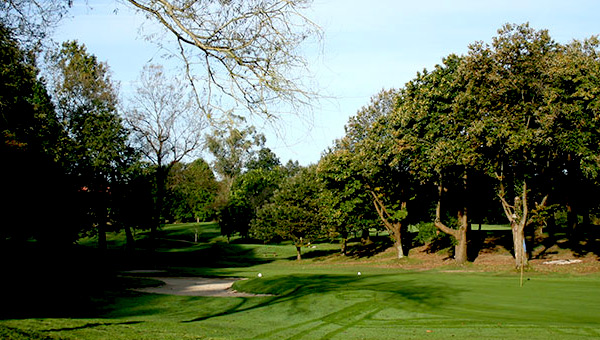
(316, 299)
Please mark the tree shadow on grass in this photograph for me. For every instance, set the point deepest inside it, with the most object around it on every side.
(81, 282)
(379, 290)
(488, 241)
(314, 253)
(378, 245)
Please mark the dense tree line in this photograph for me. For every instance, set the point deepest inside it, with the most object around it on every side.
(507, 133)
(513, 123)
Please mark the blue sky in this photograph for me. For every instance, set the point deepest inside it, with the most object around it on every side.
(367, 46)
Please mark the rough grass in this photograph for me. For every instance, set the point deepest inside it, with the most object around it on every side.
(321, 297)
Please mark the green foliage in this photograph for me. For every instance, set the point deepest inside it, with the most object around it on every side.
(426, 232)
(233, 149)
(192, 191)
(95, 148)
(249, 192)
(27, 118)
(294, 212)
(32, 175)
(86, 100)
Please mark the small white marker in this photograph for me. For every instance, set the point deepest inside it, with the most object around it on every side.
(259, 274)
(359, 274)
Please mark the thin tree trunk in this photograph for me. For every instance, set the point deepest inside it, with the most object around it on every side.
(394, 228)
(102, 235)
(130, 241)
(161, 174)
(519, 244)
(102, 222)
(298, 252)
(518, 216)
(398, 239)
(344, 244)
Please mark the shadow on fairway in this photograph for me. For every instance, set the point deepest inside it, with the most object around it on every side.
(381, 290)
(83, 283)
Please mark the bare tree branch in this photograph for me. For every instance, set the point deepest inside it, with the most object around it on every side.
(248, 50)
(164, 118)
(31, 21)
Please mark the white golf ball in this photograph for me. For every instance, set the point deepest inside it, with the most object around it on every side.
(359, 274)
(259, 274)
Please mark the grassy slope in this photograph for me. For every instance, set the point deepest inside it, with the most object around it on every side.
(319, 299)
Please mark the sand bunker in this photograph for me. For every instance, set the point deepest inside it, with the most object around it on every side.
(196, 286)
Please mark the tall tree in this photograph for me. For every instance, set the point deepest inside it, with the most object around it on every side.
(572, 123)
(435, 142)
(86, 101)
(32, 177)
(507, 87)
(359, 173)
(347, 194)
(166, 125)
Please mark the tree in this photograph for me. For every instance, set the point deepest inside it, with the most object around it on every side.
(194, 188)
(28, 119)
(233, 150)
(236, 54)
(259, 174)
(86, 101)
(349, 207)
(386, 180)
(250, 191)
(536, 100)
(294, 212)
(435, 143)
(165, 124)
(572, 123)
(31, 21)
(32, 176)
(246, 51)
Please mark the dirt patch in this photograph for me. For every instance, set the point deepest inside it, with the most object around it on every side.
(196, 286)
(490, 259)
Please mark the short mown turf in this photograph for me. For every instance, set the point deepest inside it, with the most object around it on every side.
(313, 299)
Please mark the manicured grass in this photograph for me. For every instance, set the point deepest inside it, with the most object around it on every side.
(315, 299)
(491, 227)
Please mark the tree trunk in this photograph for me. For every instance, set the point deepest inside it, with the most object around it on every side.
(344, 244)
(130, 244)
(460, 249)
(394, 228)
(161, 173)
(460, 234)
(102, 234)
(518, 232)
(365, 237)
(298, 252)
(398, 239)
(572, 220)
(102, 222)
